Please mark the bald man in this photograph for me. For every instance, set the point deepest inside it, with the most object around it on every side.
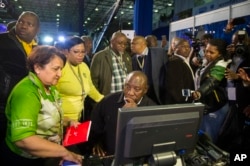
(152, 61)
(109, 67)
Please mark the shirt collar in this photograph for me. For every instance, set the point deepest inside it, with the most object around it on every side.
(144, 53)
(32, 43)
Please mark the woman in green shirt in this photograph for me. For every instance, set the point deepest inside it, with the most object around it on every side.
(35, 119)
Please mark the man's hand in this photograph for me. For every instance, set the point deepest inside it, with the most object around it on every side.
(98, 150)
(231, 75)
(129, 103)
(196, 95)
(243, 75)
(246, 111)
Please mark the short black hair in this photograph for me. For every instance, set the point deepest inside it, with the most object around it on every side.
(207, 36)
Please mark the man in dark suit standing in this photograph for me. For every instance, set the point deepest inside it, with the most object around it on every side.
(152, 61)
(179, 61)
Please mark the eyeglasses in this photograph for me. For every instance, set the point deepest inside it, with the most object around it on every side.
(122, 43)
(78, 52)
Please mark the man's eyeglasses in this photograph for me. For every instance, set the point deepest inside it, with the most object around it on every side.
(122, 43)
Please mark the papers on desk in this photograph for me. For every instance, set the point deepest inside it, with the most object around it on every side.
(79, 134)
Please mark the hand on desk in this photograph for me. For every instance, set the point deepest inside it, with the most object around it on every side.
(98, 150)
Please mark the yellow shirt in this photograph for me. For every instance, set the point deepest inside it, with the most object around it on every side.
(27, 46)
(70, 90)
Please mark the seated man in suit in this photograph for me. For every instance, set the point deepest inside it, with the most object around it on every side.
(104, 115)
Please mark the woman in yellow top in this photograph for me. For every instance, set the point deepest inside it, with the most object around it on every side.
(75, 83)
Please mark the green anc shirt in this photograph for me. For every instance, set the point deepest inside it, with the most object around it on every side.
(30, 111)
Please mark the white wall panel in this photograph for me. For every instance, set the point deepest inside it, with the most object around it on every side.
(234, 11)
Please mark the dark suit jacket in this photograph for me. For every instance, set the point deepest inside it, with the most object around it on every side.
(87, 59)
(104, 120)
(179, 76)
(12, 65)
(155, 69)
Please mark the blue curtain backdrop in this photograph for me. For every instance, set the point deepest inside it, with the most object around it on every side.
(143, 16)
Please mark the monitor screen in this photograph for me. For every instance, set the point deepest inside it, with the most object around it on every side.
(144, 131)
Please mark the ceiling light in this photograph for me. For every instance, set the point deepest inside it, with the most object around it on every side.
(156, 10)
(130, 6)
(61, 38)
(48, 39)
(88, 18)
(58, 4)
(20, 7)
(58, 15)
(122, 12)
(96, 9)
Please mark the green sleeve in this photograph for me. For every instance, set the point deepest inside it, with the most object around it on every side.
(22, 110)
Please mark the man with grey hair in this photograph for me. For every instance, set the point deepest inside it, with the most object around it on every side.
(110, 66)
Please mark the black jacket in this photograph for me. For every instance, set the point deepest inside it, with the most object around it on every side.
(213, 91)
(104, 120)
(155, 69)
(12, 65)
(179, 76)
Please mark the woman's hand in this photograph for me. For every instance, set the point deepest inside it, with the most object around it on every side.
(71, 156)
(69, 122)
(73, 123)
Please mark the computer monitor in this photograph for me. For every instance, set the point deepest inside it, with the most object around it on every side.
(156, 133)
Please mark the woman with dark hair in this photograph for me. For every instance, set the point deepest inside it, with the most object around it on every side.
(75, 83)
(210, 87)
(34, 113)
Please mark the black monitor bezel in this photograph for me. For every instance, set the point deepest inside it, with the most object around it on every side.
(125, 114)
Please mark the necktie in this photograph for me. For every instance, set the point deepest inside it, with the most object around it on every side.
(140, 59)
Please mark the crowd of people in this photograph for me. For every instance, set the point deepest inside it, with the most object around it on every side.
(45, 89)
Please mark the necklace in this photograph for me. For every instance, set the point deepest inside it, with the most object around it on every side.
(79, 78)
